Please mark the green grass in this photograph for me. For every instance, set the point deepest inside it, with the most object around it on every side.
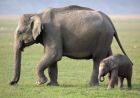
(74, 75)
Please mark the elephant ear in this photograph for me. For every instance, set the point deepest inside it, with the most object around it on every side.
(36, 26)
(112, 65)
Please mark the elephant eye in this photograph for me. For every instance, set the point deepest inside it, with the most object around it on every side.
(19, 32)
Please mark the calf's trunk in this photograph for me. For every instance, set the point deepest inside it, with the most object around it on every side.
(101, 78)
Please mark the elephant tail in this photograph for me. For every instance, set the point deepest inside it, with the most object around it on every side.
(116, 36)
(119, 43)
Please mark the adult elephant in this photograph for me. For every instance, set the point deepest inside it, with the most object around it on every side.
(72, 31)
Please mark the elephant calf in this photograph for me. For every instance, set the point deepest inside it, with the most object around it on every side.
(118, 66)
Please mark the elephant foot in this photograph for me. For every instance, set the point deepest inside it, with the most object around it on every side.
(121, 88)
(94, 80)
(94, 83)
(53, 84)
(13, 83)
(129, 88)
(110, 87)
(41, 81)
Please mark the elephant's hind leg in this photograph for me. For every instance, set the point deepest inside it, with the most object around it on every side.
(53, 74)
(120, 81)
(94, 76)
(129, 82)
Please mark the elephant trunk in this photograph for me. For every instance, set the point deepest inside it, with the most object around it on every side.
(17, 57)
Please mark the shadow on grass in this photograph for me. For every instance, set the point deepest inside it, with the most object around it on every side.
(72, 85)
(84, 86)
(135, 87)
(81, 86)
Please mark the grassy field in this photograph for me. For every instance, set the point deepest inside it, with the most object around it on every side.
(73, 74)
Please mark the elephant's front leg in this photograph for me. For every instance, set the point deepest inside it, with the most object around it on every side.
(114, 75)
(48, 59)
(109, 78)
(53, 74)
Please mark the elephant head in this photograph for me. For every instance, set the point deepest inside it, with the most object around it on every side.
(28, 29)
(105, 66)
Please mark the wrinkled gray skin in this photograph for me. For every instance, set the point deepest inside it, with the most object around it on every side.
(73, 31)
(118, 66)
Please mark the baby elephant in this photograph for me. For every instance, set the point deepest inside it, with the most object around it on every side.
(119, 67)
